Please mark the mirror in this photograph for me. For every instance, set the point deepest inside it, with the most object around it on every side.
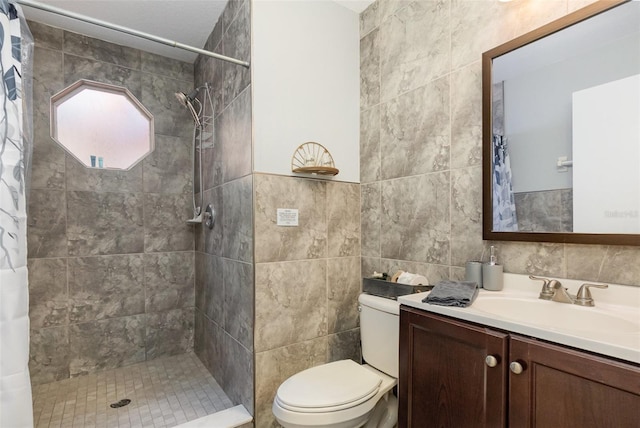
(561, 130)
(101, 125)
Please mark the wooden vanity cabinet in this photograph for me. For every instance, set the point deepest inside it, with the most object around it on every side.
(446, 381)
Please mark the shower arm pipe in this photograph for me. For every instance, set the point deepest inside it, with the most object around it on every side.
(130, 31)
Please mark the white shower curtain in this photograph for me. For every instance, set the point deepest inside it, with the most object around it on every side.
(15, 147)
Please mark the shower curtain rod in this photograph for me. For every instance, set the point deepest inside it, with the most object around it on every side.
(143, 35)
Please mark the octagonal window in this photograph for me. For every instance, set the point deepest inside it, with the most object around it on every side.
(101, 125)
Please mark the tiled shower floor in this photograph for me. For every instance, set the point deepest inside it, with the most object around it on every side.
(164, 392)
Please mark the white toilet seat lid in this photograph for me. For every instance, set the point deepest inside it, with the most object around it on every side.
(329, 387)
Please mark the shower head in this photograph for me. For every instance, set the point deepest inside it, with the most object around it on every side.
(189, 101)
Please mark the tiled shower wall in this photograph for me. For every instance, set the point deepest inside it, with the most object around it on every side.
(224, 255)
(111, 262)
(421, 139)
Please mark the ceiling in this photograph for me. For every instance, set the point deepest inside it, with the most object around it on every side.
(185, 21)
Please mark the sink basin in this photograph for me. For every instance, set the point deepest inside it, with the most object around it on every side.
(557, 316)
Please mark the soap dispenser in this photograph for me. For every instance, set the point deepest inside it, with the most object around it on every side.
(492, 274)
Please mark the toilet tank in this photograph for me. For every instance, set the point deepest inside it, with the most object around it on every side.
(379, 332)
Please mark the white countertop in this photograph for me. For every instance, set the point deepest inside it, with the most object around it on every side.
(619, 301)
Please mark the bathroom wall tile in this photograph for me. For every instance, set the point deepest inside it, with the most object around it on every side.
(613, 264)
(169, 333)
(432, 272)
(76, 68)
(344, 346)
(532, 258)
(291, 307)
(415, 220)
(199, 336)
(539, 211)
(104, 223)
(369, 19)
(212, 159)
(466, 215)
(237, 235)
(106, 344)
(170, 117)
(48, 295)
(157, 64)
(100, 50)
(231, 11)
(275, 366)
(46, 36)
(169, 281)
(370, 213)
(370, 145)
(414, 46)
(235, 137)
(210, 287)
(105, 287)
(237, 378)
(370, 264)
(415, 131)
(238, 301)
(47, 221)
(585, 261)
(369, 70)
(389, 7)
(211, 71)
(343, 219)
(48, 159)
(48, 354)
(236, 43)
(466, 116)
(210, 240)
(566, 210)
(214, 349)
(168, 169)
(214, 40)
(343, 288)
(96, 180)
(309, 239)
(163, 213)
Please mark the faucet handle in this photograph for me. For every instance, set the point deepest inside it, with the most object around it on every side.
(584, 298)
(547, 291)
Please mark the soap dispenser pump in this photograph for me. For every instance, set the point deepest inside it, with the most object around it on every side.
(492, 273)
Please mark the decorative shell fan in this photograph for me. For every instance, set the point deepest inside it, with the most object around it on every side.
(313, 158)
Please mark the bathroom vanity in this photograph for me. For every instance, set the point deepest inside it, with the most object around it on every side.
(468, 367)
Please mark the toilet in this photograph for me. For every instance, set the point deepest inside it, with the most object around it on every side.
(345, 394)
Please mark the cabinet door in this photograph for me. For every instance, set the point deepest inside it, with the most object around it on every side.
(561, 387)
(444, 379)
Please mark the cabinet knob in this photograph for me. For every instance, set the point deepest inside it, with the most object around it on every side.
(516, 367)
(491, 361)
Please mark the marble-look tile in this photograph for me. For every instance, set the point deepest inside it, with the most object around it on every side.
(210, 287)
(415, 131)
(345, 346)
(466, 116)
(539, 211)
(168, 169)
(231, 11)
(585, 261)
(434, 273)
(212, 158)
(100, 50)
(214, 349)
(48, 295)
(199, 336)
(275, 366)
(211, 70)
(236, 43)
(369, 19)
(163, 66)
(566, 210)
(370, 162)
(47, 224)
(343, 220)
(104, 223)
(235, 132)
(415, 220)
(414, 47)
(97, 180)
(343, 289)
(214, 40)
(169, 333)
(47, 81)
(48, 159)
(370, 213)
(278, 243)
(105, 287)
(46, 36)
(369, 70)
(370, 264)
(238, 370)
(237, 217)
(238, 301)
(613, 264)
(169, 281)
(292, 306)
(170, 117)
(76, 68)
(532, 258)
(48, 354)
(106, 344)
(164, 213)
(466, 215)
(210, 240)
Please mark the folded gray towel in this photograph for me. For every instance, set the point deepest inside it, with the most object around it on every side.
(453, 293)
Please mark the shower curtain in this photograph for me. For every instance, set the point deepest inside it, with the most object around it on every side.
(504, 206)
(16, 49)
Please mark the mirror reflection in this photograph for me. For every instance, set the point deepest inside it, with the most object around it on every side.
(565, 129)
(101, 125)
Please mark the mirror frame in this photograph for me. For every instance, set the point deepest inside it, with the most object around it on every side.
(487, 145)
